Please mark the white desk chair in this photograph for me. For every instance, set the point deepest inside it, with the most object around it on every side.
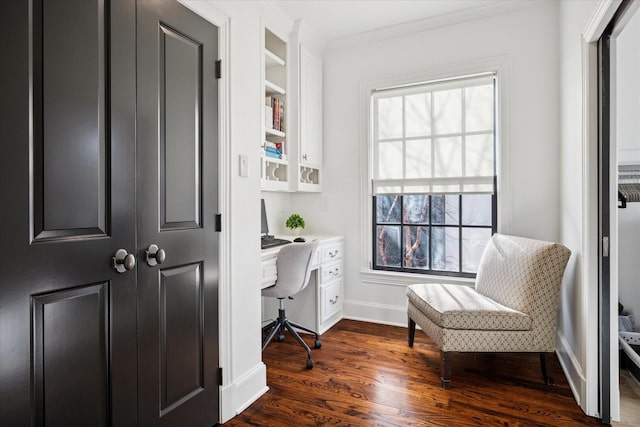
(294, 269)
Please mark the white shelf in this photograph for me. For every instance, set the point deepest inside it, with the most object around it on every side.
(272, 60)
(274, 132)
(272, 88)
(272, 185)
(274, 160)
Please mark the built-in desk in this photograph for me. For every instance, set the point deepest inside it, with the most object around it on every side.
(319, 305)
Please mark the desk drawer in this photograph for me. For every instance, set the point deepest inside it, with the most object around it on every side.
(330, 272)
(269, 273)
(331, 299)
(332, 252)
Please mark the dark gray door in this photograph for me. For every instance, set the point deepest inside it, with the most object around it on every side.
(67, 182)
(177, 202)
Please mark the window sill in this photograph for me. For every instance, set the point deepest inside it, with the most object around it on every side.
(378, 277)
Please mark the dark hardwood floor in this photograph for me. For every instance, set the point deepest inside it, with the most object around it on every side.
(366, 375)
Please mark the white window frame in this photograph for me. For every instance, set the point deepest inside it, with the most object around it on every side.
(501, 67)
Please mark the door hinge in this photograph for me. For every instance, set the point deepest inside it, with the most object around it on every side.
(219, 69)
(219, 376)
(218, 222)
(605, 246)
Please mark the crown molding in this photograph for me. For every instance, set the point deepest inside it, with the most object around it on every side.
(422, 25)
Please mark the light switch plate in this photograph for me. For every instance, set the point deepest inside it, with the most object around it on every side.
(244, 165)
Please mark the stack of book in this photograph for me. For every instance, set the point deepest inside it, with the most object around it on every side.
(274, 113)
(274, 149)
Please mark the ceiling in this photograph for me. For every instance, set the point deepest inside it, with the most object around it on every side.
(334, 19)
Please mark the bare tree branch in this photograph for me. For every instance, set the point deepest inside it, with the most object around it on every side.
(381, 237)
(424, 211)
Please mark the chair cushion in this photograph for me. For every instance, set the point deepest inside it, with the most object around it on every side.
(524, 274)
(461, 307)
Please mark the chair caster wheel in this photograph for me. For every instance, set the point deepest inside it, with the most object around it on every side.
(309, 363)
(280, 338)
(318, 344)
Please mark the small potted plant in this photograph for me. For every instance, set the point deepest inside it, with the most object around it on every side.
(295, 222)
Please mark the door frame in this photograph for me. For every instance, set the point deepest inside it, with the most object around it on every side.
(597, 397)
(590, 396)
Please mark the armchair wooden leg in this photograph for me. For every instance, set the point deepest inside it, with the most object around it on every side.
(412, 331)
(445, 368)
(543, 366)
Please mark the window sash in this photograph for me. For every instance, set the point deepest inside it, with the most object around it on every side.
(430, 226)
(459, 168)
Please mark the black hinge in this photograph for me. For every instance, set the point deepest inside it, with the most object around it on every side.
(218, 222)
(219, 376)
(219, 69)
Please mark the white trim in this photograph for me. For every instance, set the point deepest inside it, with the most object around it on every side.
(501, 65)
(392, 278)
(208, 11)
(601, 17)
(375, 313)
(239, 395)
(422, 25)
(571, 367)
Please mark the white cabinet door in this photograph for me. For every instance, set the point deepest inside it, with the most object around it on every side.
(310, 108)
(330, 299)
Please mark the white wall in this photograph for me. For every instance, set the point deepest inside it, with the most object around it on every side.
(278, 207)
(628, 147)
(526, 39)
(246, 374)
(578, 345)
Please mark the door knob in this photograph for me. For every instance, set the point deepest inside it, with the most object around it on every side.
(155, 255)
(123, 261)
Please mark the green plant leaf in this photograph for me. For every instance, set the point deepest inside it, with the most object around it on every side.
(294, 221)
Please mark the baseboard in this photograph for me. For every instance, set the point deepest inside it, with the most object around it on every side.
(572, 369)
(237, 396)
(375, 313)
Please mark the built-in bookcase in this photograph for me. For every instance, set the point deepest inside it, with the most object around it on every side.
(291, 146)
(275, 148)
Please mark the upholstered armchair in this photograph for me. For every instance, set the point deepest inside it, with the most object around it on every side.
(512, 308)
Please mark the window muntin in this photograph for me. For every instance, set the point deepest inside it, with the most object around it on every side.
(432, 233)
(434, 180)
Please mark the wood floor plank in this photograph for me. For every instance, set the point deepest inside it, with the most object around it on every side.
(366, 375)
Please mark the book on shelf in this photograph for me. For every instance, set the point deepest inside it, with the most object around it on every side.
(277, 113)
(268, 116)
(281, 126)
(270, 154)
(275, 144)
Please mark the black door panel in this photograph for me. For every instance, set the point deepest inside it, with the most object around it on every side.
(71, 343)
(177, 200)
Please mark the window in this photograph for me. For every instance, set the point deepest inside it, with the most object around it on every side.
(433, 170)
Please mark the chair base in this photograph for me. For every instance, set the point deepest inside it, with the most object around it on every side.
(543, 367)
(281, 324)
(446, 360)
